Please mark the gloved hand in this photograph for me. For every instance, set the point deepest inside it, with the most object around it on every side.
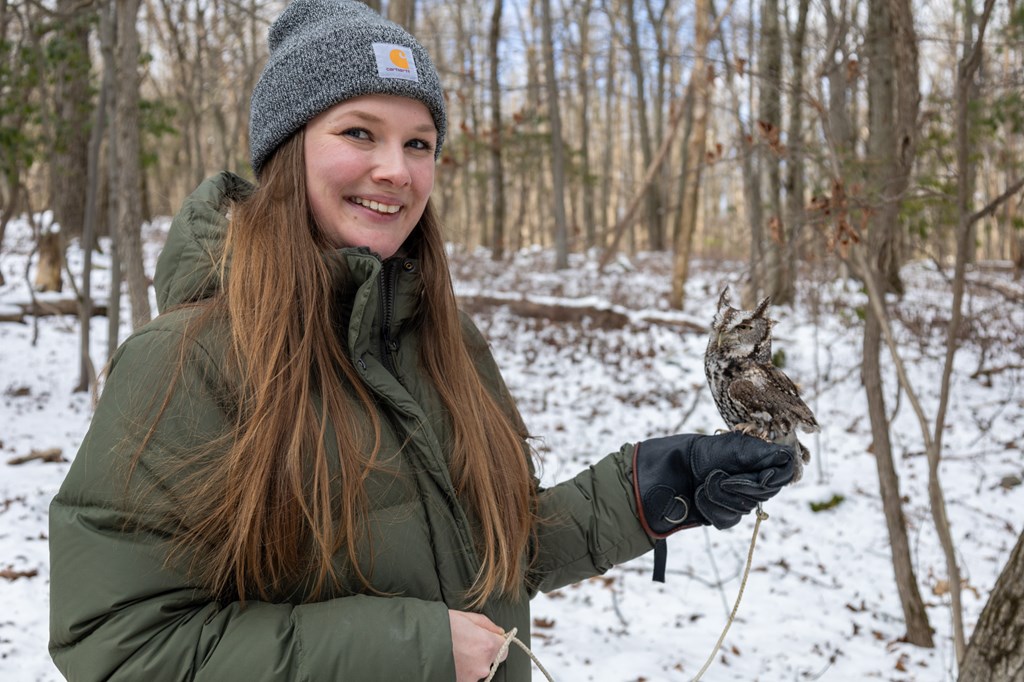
(689, 480)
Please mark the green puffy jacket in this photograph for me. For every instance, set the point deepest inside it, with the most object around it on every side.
(118, 613)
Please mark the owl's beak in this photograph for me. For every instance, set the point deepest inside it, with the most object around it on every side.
(718, 341)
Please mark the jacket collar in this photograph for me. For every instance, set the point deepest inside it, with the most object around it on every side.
(374, 297)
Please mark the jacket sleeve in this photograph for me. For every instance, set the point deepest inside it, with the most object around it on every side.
(588, 524)
(119, 611)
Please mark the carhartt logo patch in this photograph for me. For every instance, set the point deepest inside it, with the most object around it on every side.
(395, 61)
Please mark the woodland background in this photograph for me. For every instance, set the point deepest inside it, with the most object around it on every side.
(846, 137)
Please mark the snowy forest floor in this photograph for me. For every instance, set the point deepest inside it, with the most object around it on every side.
(821, 601)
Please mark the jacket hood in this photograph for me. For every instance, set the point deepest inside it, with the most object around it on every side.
(187, 269)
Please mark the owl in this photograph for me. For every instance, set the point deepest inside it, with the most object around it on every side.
(752, 394)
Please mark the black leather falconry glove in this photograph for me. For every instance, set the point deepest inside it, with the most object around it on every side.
(689, 480)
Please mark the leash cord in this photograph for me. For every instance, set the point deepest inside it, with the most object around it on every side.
(510, 636)
(761, 516)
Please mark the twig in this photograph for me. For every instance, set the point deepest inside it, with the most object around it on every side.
(689, 412)
(714, 569)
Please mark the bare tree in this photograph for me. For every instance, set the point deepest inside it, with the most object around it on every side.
(403, 13)
(966, 87)
(608, 150)
(497, 196)
(583, 61)
(108, 44)
(892, 118)
(782, 288)
(769, 131)
(995, 653)
(700, 78)
(71, 100)
(557, 151)
(733, 67)
(126, 143)
(652, 198)
(87, 371)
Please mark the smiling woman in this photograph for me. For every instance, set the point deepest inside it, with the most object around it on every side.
(309, 467)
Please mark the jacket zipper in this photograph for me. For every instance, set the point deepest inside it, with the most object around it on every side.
(388, 286)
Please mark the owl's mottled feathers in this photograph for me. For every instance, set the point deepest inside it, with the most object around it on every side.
(751, 393)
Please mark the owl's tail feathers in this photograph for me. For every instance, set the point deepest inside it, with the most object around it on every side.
(809, 427)
(803, 455)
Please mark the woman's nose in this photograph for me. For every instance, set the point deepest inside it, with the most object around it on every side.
(392, 166)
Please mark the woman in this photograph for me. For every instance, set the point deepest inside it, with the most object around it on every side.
(308, 467)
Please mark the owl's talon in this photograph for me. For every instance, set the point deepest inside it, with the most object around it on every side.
(751, 429)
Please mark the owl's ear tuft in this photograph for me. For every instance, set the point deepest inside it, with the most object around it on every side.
(723, 298)
(762, 306)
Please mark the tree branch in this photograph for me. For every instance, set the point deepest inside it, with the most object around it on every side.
(991, 207)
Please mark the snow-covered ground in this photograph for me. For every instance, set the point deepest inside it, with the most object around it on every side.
(820, 602)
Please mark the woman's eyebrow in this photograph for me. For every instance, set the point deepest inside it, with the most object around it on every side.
(373, 118)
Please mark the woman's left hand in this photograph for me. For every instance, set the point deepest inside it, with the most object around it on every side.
(476, 641)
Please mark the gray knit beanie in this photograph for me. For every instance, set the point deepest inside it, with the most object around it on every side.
(323, 52)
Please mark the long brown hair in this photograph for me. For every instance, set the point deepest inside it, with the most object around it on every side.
(267, 512)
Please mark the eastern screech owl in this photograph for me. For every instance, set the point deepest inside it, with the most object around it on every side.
(752, 394)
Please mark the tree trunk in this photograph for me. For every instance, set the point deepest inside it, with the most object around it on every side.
(71, 98)
(129, 209)
(605, 214)
(966, 88)
(652, 200)
(497, 197)
(583, 84)
(893, 101)
(919, 631)
(557, 152)
(695, 146)
(108, 42)
(841, 85)
(86, 369)
(750, 176)
(995, 653)
(772, 248)
(755, 190)
(403, 13)
(888, 178)
(782, 288)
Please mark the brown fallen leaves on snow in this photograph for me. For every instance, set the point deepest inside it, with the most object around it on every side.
(10, 574)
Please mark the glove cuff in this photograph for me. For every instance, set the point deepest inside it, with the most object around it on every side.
(664, 486)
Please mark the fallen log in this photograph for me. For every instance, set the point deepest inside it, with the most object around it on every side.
(48, 455)
(44, 307)
(602, 317)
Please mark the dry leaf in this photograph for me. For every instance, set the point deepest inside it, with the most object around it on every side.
(12, 575)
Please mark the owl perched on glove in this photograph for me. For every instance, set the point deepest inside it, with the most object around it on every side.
(752, 394)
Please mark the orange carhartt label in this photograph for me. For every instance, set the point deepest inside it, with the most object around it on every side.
(398, 59)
